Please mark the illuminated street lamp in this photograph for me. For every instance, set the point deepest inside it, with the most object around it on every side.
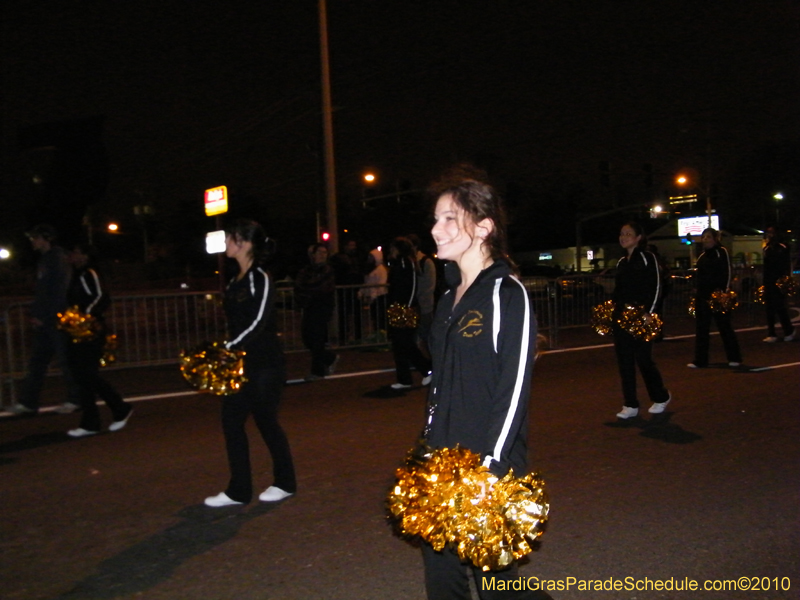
(113, 228)
(683, 179)
(369, 177)
(4, 254)
(778, 197)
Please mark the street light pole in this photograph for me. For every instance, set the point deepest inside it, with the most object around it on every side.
(778, 197)
(327, 121)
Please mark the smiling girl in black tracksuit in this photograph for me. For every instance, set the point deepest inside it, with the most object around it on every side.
(481, 343)
(638, 283)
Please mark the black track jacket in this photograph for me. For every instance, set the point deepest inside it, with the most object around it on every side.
(638, 280)
(482, 354)
(713, 272)
(86, 292)
(252, 326)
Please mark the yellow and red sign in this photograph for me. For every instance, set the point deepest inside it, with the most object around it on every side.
(216, 201)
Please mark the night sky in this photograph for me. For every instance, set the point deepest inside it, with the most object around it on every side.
(195, 94)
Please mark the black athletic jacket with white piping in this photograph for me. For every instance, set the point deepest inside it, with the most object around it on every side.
(482, 352)
(713, 272)
(252, 326)
(86, 292)
(638, 280)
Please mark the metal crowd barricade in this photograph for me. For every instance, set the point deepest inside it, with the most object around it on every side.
(153, 329)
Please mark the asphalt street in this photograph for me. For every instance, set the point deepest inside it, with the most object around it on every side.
(709, 492)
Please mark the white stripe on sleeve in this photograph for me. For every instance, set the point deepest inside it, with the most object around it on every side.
(521, 366)
(261, 308)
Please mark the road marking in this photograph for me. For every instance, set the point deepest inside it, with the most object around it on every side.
(770, 368)
(672, 337)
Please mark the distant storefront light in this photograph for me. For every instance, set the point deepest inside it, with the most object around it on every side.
(215, 241)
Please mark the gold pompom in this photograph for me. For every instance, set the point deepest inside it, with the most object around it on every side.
(210, 367)
(109, 351)
(639, 323)
(603, 317)
(446, 497)
(758, 296)
(401, 316)
(787, 285)
(722, 301)
(692, 308)
(78, 325)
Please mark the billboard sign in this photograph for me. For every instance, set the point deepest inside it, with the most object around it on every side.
(216, 201)
(696, 225)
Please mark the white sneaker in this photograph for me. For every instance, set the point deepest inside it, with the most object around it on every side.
(220, 500)
(659, 407)
(628, 412)
(274, 494)
(734, 364)
(400, 386)
(789, 337)
(81, 432)
(331, 368)
(770, 339)
(67, 408)
(427, 379)
(117, 425)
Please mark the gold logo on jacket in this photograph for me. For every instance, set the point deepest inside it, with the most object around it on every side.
(471, 324)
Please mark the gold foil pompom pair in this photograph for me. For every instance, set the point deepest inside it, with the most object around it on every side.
(722, 301)
(78, 325)
(632, 319)
(210, 367)
(603, 317)
(446, 497)
(787, 285)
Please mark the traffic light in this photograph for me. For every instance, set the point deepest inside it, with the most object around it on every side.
(687, 239)
(325, 236)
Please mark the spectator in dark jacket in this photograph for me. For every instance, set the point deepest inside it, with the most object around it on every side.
(777, 265)
(713, 274)
(50, 298)
(403, 286)
(314, 291)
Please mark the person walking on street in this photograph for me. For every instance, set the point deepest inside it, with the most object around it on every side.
(403, 275)
(90, 296)
(252, 327)
(637, 283)
(482, 343)
(426, 291)
(50, 298)
(373, 294)
(713, 274)
(777, 265)
(314, 291)
(349, 274)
